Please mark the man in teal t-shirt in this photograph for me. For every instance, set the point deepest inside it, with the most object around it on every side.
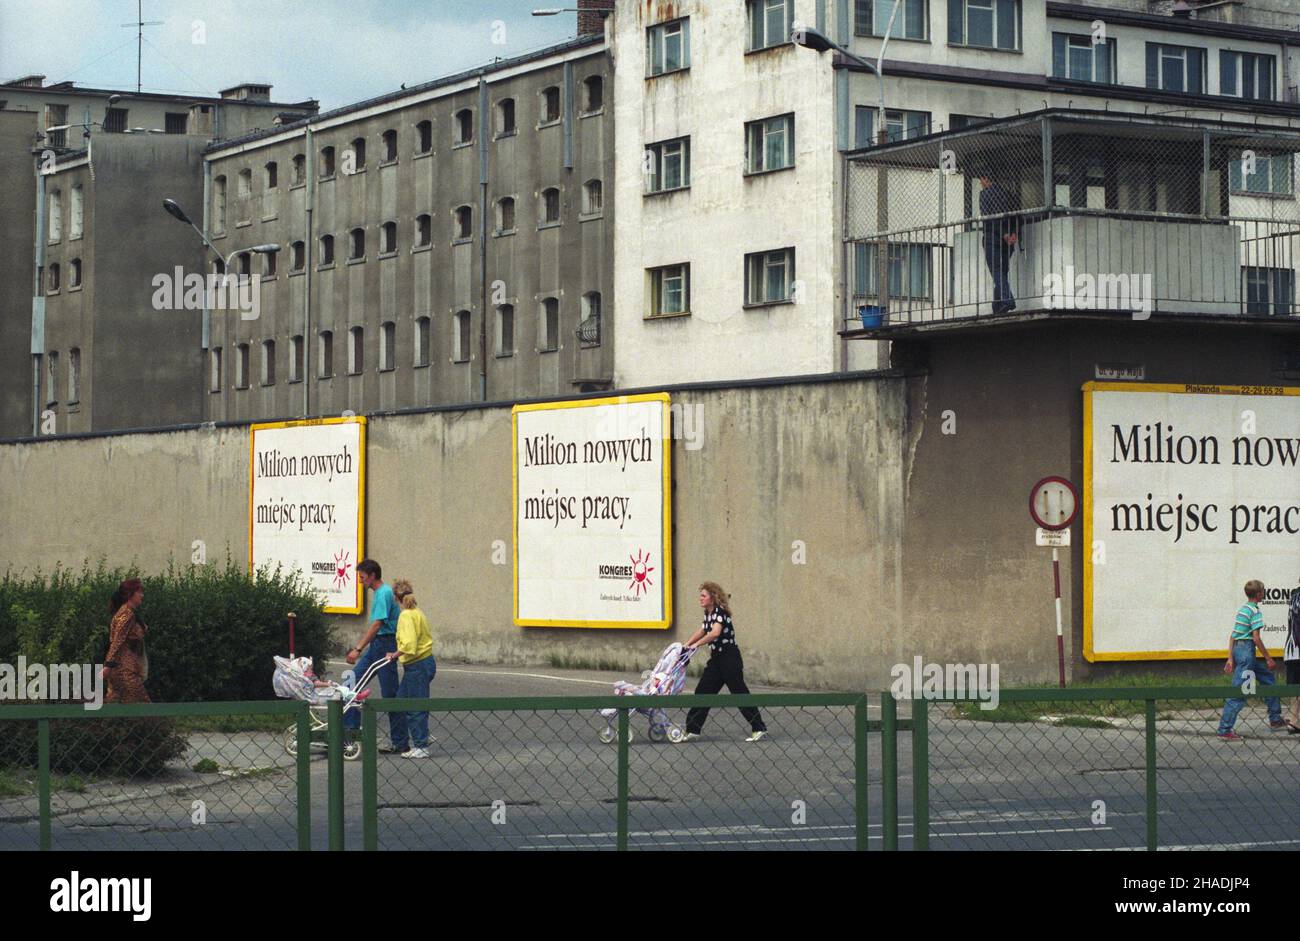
(380, 639)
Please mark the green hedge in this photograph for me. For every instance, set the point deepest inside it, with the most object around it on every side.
(91, 747)
(212, 628)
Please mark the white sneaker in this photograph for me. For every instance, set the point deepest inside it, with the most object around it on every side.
(416, 753)
(688, 737)
(756, 736)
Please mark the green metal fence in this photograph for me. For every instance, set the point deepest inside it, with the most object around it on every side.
(1092, 769)
(1103, 769)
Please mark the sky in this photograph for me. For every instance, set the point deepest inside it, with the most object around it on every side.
(337, 51)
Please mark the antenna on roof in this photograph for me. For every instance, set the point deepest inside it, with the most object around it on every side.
(139, 25)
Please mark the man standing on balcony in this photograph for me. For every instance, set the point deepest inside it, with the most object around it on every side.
(1001, 235)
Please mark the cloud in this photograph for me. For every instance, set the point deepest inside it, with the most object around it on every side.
(338, 51)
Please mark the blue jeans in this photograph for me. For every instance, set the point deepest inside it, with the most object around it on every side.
(997, 255)
(1243, 659)
(416, 680)
(387, 676)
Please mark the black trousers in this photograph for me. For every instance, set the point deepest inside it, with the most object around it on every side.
(726, 668)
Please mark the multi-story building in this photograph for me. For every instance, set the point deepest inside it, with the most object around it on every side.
(450, 242)
(739, 241)
(85, 170)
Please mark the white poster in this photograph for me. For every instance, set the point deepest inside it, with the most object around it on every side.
(592, 530)
(1189, 492)
(307, 504)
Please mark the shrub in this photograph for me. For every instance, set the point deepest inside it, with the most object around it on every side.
(117, 747)
(212, 628)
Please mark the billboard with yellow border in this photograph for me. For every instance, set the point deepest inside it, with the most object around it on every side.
(592, 505)
(1189, 492)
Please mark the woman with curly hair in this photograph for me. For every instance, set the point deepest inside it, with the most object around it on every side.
(725, 666)
(126, 667)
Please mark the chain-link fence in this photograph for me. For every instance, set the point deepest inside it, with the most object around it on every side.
(550, 774)
(193, 776)
(1085, 769)
(1075, 211)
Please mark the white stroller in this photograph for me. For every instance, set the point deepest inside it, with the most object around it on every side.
(666, 679)
(294, 679)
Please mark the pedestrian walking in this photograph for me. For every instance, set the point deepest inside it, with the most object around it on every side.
(415, 651)
(1001, 238)
(1243, 643)
(126, 665)
(1291, 656)
(725, 666)
(379, 640)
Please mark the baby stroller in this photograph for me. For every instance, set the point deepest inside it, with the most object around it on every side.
(294, 679)
(666, 679)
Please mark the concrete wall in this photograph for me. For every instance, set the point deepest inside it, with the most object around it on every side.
(819, 463)
(17, 234)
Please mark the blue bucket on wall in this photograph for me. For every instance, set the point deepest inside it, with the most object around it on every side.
(871, 316)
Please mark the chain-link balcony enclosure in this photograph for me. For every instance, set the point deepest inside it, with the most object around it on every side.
(1069, 210)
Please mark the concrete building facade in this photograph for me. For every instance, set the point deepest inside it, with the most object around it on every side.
(451, 242)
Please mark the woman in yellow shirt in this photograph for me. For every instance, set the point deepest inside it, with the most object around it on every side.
(415, 650)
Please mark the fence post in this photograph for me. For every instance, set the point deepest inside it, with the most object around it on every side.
(1152, 835)
(304, 777)
(860, 766)
(622, 779)
(43, 778)
(369, 779)
(335, 765)
(889, 769)
(920, 774)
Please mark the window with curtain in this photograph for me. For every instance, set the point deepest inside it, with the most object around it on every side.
(1080, 59)
(770, 22)
(769, 144)
(986, 24)
(909, 270)
(1176, 68)
(871, 18)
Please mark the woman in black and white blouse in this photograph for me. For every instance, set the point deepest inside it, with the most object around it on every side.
(725, 666)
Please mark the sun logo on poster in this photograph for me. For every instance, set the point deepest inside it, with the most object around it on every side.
(641, 570)
(341, 565)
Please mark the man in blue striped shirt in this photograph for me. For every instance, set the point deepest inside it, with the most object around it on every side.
(1243, 642)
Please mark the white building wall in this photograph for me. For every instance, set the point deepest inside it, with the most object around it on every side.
(723, 215)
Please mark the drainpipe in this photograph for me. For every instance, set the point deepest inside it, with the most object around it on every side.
(483, 231)
(309, 203)
(205, 341)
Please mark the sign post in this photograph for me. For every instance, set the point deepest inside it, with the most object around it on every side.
(1053, 505)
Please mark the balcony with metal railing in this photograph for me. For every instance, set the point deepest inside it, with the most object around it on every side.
(1068, 212)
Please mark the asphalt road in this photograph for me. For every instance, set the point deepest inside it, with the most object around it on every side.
(541, 782)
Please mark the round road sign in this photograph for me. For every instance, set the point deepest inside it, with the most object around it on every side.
(1053, 503)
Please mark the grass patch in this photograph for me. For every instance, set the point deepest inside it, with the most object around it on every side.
(229, 725)
(206, 766)
(22, 783)
(1085, 713)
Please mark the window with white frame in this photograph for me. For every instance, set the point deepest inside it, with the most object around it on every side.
(668, 47)
(984, 24)
(899, 125)
(769, 144)
(1080, 59)
(668, 165)
(1176, 68)
(669, 290)
(769, 22)
(769, 276)
(1264, 174)
(909, 270)
(1247, 74)
(1270, 292)
(912, 21)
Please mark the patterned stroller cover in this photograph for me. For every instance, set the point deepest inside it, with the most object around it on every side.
(666, 679)
(294, 679)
